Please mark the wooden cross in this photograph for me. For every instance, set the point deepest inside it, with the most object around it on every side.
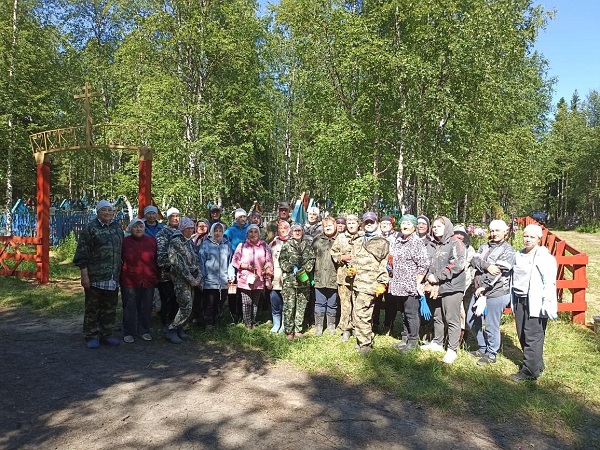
(87, 94)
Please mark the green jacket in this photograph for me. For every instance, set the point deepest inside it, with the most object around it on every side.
(325, 269)
(99, 250)
(299, 254)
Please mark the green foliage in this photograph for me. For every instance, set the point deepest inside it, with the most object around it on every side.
(67, 247)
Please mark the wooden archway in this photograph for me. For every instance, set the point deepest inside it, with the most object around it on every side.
(88, 137)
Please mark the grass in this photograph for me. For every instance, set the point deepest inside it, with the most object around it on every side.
(564, 403)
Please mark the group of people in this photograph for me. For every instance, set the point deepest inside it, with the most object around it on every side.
(340, 272)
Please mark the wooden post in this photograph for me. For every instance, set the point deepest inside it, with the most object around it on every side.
(43, 221)
(145, 180)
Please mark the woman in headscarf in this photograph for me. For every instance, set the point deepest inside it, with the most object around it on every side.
(139, 277)
(493, 265)
(215, 256)
(533, 301)
(185, 272)
(283, 235)
(254, 264)
(410, 263)
(446, 280)
(325, 278)
(197, 238)
(297, 256)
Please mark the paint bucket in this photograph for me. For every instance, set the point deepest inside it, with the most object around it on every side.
(302, 276)
(232, 288)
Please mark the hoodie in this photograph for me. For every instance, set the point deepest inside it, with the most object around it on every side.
(214, 261)
(447, 260)
(236, 234)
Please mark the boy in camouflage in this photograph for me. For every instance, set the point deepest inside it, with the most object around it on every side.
(296, 254)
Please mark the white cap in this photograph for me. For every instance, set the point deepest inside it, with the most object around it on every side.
(172, 211)
(239, 212)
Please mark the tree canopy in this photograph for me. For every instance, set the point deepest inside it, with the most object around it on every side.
(424, 106)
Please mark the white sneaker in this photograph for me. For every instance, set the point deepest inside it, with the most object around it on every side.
(450, 356)
(147, 336)
(433, 347)
(129, 339)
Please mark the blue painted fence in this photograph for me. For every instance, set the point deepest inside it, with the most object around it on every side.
(24, 224)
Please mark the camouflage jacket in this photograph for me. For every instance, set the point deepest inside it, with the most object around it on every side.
(343, 246)
(299, 254)
(369, 257)
(162, 243)
(183, 259)
(99, 250)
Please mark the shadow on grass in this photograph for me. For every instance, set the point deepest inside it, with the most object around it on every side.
(221, 391)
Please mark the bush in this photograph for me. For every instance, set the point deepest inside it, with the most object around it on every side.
(66, 248)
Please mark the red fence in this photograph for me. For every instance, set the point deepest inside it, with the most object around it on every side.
(572, 275)
(12, 254)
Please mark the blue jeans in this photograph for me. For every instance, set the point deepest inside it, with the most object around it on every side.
(137, 310)
(276, 303)
(488, 339)
(325, 301)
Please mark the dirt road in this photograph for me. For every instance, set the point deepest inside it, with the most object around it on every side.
(55, 393)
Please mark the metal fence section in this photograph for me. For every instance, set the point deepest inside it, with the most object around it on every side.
(24, 224)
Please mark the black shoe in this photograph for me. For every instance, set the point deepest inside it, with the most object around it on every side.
(477, 354)
(485, 360)
(519, 377)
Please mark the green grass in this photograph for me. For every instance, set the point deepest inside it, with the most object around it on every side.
(564, 403)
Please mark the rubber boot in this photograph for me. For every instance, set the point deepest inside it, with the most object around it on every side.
(276, 323)
(182, 334)
(345, 336)
(319, 318)
(173, 337)
(331, 323)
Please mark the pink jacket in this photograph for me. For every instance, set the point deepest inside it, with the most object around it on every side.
(257, 256)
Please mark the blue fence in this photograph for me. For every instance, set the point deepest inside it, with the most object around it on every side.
(24, 224)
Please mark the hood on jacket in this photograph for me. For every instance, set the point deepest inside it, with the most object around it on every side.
(211, 232)
(448, 229)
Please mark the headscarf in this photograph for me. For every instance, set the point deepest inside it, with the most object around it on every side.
(287, 235)
(409, 218)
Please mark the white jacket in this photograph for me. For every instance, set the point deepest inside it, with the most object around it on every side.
(542, 284)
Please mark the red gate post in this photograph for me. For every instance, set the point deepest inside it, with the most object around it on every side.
(145, 179)
(43, 220)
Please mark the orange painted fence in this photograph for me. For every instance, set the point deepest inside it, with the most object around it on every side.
(12, 254)
(572, 275)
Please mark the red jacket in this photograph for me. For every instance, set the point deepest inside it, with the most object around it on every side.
(139, 263)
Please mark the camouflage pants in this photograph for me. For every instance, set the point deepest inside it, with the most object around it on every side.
(362, 316)
(184, 293)
(294, 305)
(345, 295)
(100, 313)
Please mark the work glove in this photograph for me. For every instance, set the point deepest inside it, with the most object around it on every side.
(424, 308)
(380, 289)
(480, 306)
